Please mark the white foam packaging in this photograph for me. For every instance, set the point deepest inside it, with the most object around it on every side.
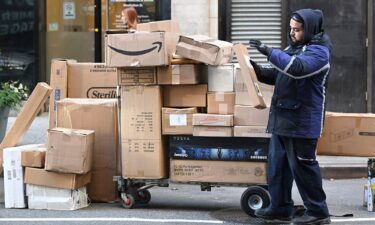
(41, 197)
(14, 191)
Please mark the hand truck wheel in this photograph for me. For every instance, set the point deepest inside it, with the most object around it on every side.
(144, 196)
(254, 198)
(127, 200)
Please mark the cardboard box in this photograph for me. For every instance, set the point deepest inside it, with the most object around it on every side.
(59, 83)
(34, 157)
(178, 74)
(218, 172)
(26, 116)
(249, 76)
(203, 119)
(101, 116)
(242, 96)
(220, 78)
(348, 134)
(185, 95)
(40, 197)
(136, 76)
(250, 116)
(13, 177)
(212, 131)
(141, 112)
(251, 131)
(177, 121)
(136, 49)
(57, 180)
(218, 148)
(220, 102)
(204, 49)
(70, 150)
(91, 80)
(143, 159)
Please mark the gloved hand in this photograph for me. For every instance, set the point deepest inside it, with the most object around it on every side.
(256, 67)
(262, 48)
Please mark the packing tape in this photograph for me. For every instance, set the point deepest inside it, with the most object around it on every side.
(219, 96)
(223, 108)
(175, 79)
(358, 123)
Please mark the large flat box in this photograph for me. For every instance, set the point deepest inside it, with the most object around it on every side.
(136, 49)
(13, 176)
(220, 102)
(178, 74)
(251, 131)
(204, 49)
(218, 172)
(141, 112)
(348, 134)
(212, 131)
(250, 116)
(203, 119)
(220, 78)
(70, 150)
(41, 197)
(218, 148)
(249, 76)
(143, 159)
(91, 80)
(26, 116)
(242, 96)
(136, 76)
(185, 95)
(34, 157)
(59, 83)
(101, 116)
(42, 177)
(177, 121)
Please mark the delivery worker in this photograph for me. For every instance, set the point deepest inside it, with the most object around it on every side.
(296, 116)
(129, 17)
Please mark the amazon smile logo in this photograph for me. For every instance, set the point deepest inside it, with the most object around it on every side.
(156, 45)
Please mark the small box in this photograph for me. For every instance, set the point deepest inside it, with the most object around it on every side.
(70, 150)
(251, 131)
(34, 157)
(178, 74)
(202, 119)
(185, 95)
(220, 78)
(136, 76)
(177, 121)
(220, 102)
(250, 116)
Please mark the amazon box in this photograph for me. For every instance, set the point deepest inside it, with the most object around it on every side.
(177, 121)
(218, 172)
(204, 49)
(348, 134)
(178, 74)
(136, 49)
(220, 102)
(91, 80)
(185, 95)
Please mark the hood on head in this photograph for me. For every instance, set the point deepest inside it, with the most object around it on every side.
(312, 22)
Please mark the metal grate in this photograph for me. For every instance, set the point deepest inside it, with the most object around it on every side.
(258, 19)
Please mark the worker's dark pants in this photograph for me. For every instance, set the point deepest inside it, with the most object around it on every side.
(294, 158)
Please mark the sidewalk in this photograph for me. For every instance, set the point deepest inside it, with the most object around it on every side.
(332, 167)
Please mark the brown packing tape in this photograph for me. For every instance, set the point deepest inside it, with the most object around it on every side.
(219, 96)
(223, 108)
(358, 123)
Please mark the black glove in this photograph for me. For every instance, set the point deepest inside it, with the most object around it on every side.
(256, 67)
(262, 48)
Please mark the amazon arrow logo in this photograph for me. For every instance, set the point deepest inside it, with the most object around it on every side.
(141, 52)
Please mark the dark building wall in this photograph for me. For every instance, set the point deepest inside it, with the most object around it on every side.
(346, 23)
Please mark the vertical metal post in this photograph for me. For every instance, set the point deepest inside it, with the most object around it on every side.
(370, 17)
(98, 30)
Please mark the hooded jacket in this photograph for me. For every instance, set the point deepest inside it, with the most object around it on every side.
(300, 75)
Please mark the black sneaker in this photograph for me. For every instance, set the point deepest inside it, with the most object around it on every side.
(312, 220)
(270, 217)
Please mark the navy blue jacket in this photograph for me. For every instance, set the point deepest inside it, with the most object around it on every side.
(299, 74)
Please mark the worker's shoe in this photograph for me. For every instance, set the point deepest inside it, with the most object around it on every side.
(312, 220)
(271, 217)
